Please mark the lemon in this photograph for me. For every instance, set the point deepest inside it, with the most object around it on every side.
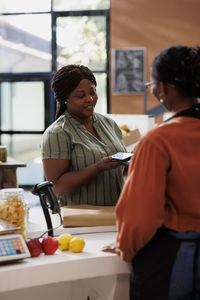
(64, 240)
(76, 244)
(125, 128)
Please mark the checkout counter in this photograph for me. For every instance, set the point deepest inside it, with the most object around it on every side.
(90, 275)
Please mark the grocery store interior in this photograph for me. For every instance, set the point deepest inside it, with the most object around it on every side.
(117, 40)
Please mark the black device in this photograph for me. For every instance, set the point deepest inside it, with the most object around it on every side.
(48, 201)
(122, 156)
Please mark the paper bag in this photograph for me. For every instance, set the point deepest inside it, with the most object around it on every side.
(88, 215)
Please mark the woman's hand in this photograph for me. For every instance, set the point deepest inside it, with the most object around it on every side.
(65, 181)
(112, 248)
(107, 163)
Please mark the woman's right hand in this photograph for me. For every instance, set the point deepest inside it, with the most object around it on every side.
(65, 181)
(107, 163)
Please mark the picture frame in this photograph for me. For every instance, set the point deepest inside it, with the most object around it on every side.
(128, 70)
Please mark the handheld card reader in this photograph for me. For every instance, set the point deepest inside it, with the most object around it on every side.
(122, 156)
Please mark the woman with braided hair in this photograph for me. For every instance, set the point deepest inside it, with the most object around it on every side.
(158, 211)
(77, 147)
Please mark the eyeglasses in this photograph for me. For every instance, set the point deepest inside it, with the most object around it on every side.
(149, 83)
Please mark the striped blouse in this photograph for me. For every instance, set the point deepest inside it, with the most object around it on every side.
(66, 138)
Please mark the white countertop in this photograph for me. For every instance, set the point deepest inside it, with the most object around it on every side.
(37, 225)
(63, 265)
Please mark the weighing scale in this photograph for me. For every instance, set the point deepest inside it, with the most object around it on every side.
(12, 245)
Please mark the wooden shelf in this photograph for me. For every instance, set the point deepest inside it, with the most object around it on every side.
(8, 173)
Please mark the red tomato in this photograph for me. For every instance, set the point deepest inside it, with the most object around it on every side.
(49, 245)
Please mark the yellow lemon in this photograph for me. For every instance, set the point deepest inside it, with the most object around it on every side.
(64, 240)
(76, 244)
(125, 128)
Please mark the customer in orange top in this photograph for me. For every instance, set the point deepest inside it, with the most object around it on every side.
(158, 212)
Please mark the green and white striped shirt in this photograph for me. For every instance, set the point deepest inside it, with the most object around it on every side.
(66, 138)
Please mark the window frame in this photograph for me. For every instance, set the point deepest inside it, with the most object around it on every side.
(25, 77)
(46, 77)
(106, 13)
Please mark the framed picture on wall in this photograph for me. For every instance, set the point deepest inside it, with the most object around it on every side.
(128, 70)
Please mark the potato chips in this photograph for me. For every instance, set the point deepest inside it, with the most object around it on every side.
(13, 209)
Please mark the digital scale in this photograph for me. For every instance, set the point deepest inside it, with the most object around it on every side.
(12, 245)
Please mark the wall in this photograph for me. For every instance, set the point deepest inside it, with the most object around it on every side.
(153, 24)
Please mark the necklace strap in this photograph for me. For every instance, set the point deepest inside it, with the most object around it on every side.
(193, 111)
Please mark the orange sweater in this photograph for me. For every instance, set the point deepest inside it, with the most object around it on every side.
(162, 187)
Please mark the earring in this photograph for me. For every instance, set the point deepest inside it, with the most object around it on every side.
(162, 97)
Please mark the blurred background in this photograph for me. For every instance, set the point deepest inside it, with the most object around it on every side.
(38, 37)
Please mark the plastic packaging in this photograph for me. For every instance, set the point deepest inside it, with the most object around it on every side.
(13, 208)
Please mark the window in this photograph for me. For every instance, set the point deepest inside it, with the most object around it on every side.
(22, 118)
(36, 38)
